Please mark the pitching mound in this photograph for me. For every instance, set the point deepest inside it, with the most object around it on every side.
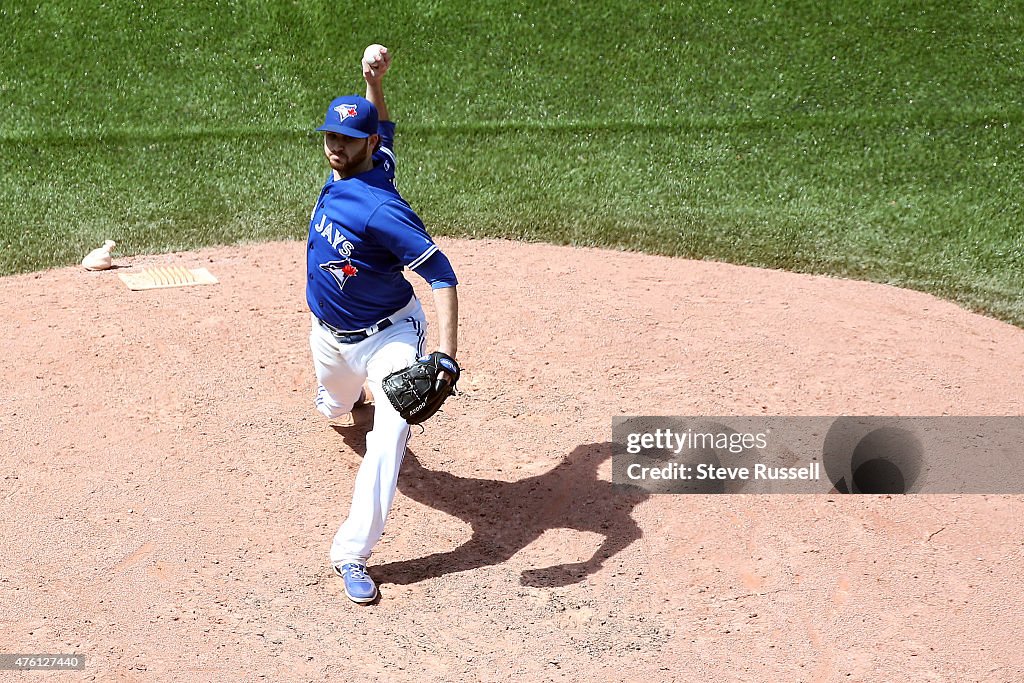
(170, 494)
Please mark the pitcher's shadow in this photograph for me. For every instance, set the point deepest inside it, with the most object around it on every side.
(508, 516)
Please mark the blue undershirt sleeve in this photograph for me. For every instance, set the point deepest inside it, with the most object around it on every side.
(437, 270)
(386, 130)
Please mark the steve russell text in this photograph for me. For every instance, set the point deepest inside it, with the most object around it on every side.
(705, 471)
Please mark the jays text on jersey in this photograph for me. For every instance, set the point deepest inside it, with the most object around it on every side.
(362, 233)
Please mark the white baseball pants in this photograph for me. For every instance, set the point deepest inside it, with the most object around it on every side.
(341, 370)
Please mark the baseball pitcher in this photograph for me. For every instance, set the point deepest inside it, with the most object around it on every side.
(367, 324)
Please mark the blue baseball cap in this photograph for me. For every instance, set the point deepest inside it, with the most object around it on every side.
(351, 115)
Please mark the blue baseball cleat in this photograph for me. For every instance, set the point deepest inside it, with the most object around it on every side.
(359, 587)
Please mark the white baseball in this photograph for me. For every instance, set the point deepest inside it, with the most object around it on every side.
(372, 55)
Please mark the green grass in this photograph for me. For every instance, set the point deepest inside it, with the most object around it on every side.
(871, 140)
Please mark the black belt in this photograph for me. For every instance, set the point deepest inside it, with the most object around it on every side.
(354, 336)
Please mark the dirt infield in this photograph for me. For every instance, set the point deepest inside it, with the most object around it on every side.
(169, 492)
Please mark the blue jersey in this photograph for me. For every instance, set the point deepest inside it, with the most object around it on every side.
(361, 235)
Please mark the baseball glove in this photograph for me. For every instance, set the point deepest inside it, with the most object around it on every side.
(418, 391)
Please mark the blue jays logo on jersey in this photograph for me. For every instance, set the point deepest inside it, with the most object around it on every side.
(346, 110)
(341, 270)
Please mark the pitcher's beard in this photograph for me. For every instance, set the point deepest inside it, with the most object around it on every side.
(345, 166)
(338, 164)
